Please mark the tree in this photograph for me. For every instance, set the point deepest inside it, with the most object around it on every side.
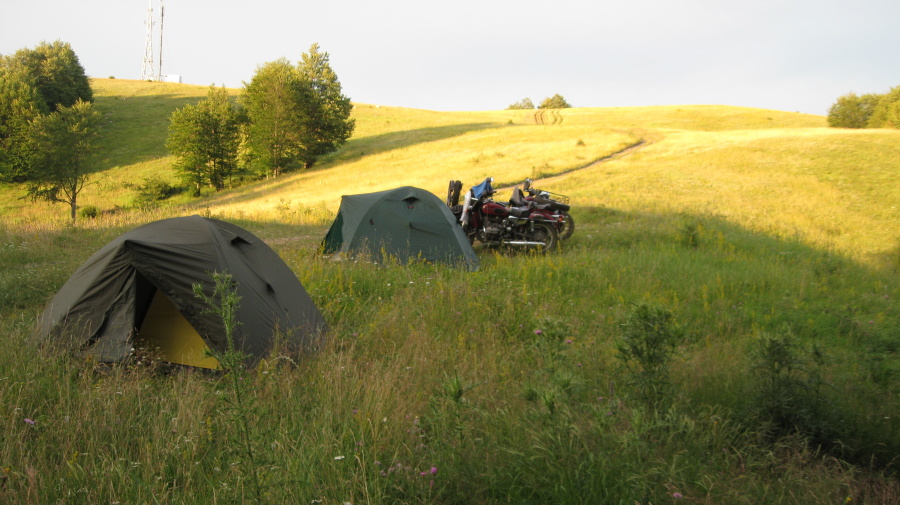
(20, 103)
(205, 138)
(275, 101)
(64, 144)
(295, 114)
(886, 114)
(57, 73)
(852, 111)
(523, 104)
(328, 124)
(554, 102)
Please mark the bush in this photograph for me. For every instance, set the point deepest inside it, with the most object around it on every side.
(523, 104)
(555, 102)
(153, 190)
(89, 211)
(789, 400)
(646, 347)
(886, 113)
(852, 111)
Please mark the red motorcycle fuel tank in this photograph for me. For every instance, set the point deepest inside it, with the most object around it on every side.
(494, 209)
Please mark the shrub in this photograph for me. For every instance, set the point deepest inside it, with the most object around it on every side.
(554, 102)
(89, 211)
(646, 348)
(852, 111)
(523, 104)
(789, 399)
(153, 190)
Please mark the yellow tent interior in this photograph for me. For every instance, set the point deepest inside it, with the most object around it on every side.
(166, 332)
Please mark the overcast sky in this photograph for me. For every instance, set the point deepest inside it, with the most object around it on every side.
(791, 55)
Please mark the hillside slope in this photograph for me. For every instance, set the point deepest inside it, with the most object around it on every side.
(775, 172)
(721, 328)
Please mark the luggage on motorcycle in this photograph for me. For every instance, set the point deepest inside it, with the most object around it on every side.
(483, 188)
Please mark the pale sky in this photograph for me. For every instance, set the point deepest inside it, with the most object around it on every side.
(790, 55)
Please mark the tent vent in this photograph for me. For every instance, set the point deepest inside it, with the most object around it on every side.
(240, 243)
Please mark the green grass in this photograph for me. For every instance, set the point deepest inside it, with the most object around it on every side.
(745, 224)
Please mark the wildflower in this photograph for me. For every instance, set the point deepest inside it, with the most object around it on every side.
(677, 495)
(537, 332)
(29, 421)
(569, 341)
(338, 458)
(433, 470)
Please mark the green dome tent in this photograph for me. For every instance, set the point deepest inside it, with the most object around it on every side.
(138, 291)
(406, 223)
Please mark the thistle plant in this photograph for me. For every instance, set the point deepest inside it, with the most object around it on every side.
(225, 302)
(646, 348)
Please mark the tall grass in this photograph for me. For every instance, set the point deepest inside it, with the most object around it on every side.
(510, 384)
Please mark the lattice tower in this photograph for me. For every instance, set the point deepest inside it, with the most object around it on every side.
(147, 71)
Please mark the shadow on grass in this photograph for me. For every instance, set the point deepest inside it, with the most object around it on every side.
(136, 128)
(726, 283)
(358, 147)
(354, 149)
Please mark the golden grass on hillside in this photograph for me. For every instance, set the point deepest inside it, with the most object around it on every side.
(778, 172)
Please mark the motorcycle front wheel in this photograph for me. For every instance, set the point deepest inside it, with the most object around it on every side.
(543, 232)
(567, 227)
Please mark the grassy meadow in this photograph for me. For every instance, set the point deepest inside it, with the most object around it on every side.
(722, 328)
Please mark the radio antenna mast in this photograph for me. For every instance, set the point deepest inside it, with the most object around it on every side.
(147, 71)
(162, 12)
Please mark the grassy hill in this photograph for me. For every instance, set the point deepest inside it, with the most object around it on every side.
(763, 245)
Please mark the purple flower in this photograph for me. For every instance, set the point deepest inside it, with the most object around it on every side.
(569, 341)
(537, 332)
(433, 470)
(29, 421)
(677, 495)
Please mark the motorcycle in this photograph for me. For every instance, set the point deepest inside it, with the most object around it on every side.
(555, 203)
(495, 223)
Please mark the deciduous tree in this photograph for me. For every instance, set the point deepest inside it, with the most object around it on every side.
(64, 144)
(327, 116)
(205, 138)
(275, 101)
(295, 114)
(852, 110)
(20, 103)
(523, 104)
(554, 102)
(886, 114)
(57, 73)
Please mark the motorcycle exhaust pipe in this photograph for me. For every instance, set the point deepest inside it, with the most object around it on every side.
(522, 242)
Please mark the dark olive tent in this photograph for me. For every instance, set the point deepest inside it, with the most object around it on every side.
(405, 223)
(137, 291)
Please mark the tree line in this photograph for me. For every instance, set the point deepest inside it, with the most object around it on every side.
(553, 102)
(871, 110)
(286, 117)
